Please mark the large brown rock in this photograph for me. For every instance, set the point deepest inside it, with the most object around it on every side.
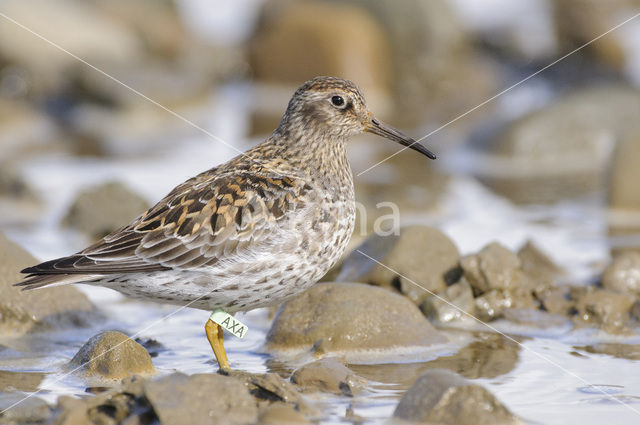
(442, 397)
(352, 319)
(201, 399)
(415, 261)
(41, 309)
(297, 40)
(100, 210)
(608, 310)
(112, 355)
(578, 22)
(563, 150)
(436, 73)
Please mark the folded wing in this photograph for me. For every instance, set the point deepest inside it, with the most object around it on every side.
(208, 220)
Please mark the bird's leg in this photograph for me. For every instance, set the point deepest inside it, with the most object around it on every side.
(214, 335)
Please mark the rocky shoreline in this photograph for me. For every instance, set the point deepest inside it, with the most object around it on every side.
(411, 289)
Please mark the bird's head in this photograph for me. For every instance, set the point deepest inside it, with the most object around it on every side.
(337, 108)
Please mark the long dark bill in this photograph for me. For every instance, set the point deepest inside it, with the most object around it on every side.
(388, 132)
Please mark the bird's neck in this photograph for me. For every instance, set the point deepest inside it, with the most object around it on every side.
(320, 157)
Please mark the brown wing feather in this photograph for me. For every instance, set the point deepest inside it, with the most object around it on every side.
(209, 218)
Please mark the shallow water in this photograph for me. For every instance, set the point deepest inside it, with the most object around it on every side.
(540, 376)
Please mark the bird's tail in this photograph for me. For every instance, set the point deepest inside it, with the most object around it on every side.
(38, 281)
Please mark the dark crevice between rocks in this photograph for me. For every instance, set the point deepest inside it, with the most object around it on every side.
(396, 284)
(346, 389)
(453, 275)
(265, 394)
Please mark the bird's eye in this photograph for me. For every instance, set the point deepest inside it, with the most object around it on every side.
(337, 101)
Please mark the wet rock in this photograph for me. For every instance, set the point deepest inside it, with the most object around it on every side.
(416, 261)
(446, 307)
(295, 41)
(32, 410)
(42, 309)
(328, 375)
(100, 210)
(201, 399)
(623, 274)
(494, 267)
(499, 281)
(112, 355)
(270, 388)
(491, 305)
(606, 309)
(281, 414)
(537, 264)
(558, 300)
(441, 396)
(350, 319)
(540, 158)
(124, 404)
